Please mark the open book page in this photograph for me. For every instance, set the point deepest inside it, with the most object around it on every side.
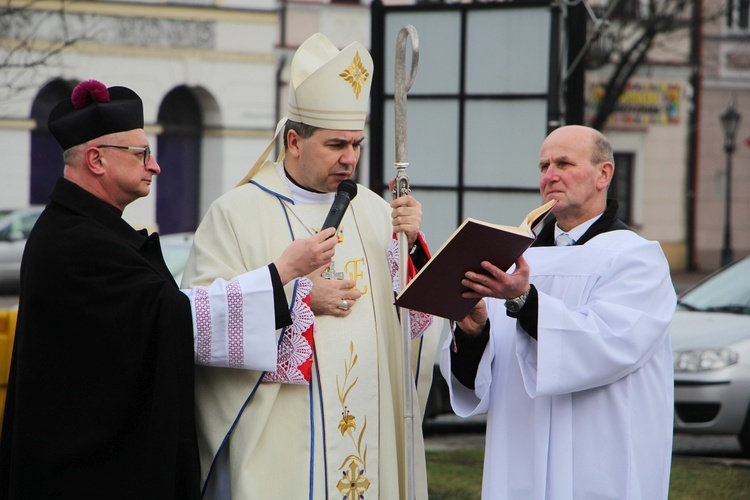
(535, 217)
(527, 225)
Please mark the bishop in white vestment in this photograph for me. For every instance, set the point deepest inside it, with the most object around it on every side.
(326, 421)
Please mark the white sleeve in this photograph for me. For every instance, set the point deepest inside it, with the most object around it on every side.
(232, 326)
(611, 323)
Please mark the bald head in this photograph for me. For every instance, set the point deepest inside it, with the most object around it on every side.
(601, 149)
(576, 166)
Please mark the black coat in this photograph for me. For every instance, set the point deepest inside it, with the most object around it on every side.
(607, 222)
(100, 398)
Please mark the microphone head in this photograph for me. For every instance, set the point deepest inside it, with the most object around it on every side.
(349, 187)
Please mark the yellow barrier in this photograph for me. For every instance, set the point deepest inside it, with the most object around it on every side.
(8, 320)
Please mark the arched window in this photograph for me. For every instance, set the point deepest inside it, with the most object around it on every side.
(46, 154)
(179, 155)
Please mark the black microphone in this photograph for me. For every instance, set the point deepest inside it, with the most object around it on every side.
(346, 192)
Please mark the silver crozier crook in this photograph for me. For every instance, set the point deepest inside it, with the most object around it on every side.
(401, 188)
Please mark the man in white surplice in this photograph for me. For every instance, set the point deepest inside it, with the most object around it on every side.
(328, 421)
(573, 365)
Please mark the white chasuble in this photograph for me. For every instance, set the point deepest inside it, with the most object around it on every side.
(341, 435)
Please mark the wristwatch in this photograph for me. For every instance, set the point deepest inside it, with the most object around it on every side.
(514, 305)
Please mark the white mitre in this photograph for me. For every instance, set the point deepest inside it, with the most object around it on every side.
(329, 88)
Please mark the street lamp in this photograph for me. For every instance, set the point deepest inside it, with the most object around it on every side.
(730, 120)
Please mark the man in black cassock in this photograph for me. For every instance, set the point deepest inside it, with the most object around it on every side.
(100, 397)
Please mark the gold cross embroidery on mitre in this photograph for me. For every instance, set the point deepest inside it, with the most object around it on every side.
(356, 75)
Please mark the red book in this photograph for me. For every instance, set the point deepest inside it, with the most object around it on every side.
(437, 288)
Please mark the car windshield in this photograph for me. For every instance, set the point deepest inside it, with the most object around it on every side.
(15, 225)
(726, 291)
(175, 251)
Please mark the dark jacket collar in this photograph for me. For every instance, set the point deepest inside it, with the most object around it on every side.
(74, 198)
(607, 222)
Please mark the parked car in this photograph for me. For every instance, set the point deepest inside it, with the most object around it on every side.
(176, 248)
(15, 226)
(711, 344)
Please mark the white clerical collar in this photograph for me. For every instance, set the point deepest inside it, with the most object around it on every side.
(302, 196)
(577, 231)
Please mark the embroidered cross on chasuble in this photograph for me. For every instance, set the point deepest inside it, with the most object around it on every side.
(339, 359)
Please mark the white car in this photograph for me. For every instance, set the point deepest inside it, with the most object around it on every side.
(711, 344)
(15, 226)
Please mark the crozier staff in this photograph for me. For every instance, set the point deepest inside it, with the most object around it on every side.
(401, 187)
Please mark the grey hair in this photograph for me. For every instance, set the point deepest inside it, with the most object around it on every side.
(70, 154)
(601, 150)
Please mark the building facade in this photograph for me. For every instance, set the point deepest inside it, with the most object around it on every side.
(725, 81)
(213, 77)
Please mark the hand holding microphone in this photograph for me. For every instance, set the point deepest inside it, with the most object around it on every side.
(305, 255)
(344, 195)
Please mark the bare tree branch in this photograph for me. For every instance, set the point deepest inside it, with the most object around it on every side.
(634, 40)
(32, 36)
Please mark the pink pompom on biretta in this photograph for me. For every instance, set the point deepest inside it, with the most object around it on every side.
(86, 90)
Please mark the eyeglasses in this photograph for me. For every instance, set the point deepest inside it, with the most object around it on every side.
(145, 150)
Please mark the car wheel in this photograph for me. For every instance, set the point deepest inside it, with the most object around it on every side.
(744, 436)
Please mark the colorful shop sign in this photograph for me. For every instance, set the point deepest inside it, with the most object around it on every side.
(641, 103)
